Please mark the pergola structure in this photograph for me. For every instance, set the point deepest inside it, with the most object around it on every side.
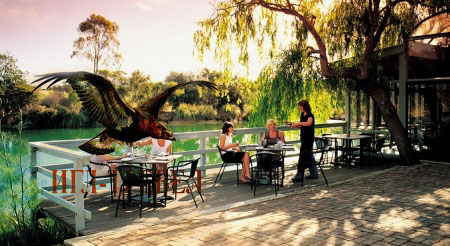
(418, 74)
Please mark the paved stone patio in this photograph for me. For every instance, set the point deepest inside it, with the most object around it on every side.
(406, 205)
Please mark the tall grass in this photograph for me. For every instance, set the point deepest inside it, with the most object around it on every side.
(19, 203)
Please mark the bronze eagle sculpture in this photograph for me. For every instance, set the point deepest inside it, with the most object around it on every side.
(106, 107)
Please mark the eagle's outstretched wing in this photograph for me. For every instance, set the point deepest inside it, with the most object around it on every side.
(103, 104)
(153, 105)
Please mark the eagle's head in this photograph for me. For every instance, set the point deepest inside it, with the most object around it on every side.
(164, 133)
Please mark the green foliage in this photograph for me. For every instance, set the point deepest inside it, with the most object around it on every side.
(14, 91)
(139, 88)
(18, 192)
(60, 106)
(345, 27)
(294, 78)
(97, 41)
(18, 197)
(229, 112)
(195, 112)
(39, 117)
(187, 95)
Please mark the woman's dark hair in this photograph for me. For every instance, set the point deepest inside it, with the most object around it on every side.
(305, 105)
(226, 125)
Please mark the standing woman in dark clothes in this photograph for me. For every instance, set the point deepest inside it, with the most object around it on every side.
(306, 123)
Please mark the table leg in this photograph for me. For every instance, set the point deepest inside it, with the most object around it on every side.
(154, 185)
(166, 185)
(347, 152)
(282, 169)
(129, 194)
(361, 154)
(336, 152)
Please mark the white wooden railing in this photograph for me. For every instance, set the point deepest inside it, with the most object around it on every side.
(78, 159)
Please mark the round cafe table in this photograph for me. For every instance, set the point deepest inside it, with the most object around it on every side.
(347, 146)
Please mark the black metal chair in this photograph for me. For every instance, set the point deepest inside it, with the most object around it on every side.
(266, 163)
(133, 176)
(320, 149)
(329, 148)
(179, 176)
(111, 177)
(372, 147)
(376, 149)
(225, 162)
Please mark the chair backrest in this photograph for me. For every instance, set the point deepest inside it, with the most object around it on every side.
(100, 164)
(194, 164)
(368, 134)
(221, 156)
(368, 143)
(266, 160)
(320, 143)
(326, 141)
(379, 143)
(220, 152)
(130, 174)
(90, 170)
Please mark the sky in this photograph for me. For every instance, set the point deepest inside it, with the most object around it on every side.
(155, 35)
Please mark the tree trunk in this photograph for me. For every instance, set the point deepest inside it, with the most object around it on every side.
(389, 113)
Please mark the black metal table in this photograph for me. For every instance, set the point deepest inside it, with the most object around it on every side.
(347, 146)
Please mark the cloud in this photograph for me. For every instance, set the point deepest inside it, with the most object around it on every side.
(144, 6)
(23, 13)
(148, 5)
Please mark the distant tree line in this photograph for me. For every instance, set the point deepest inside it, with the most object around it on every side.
(60, 107)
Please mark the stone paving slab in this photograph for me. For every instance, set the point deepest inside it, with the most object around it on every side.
(406, 205)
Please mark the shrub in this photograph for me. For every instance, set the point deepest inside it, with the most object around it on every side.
(229, 112)
(195, 112)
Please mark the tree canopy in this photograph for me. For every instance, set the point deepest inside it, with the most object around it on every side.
(98, 42)
(14, 91)
(349, 31)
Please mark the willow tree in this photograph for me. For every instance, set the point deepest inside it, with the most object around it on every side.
(97, 42)
(355, 29)
(290, 77)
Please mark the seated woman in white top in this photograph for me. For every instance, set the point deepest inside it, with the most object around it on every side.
(233, 152)
(101, 170)
(158, 145)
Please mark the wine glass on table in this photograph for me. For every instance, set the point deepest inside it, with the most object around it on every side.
(288, 123)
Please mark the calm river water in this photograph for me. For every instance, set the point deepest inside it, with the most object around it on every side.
(16, 148)
(84, 133)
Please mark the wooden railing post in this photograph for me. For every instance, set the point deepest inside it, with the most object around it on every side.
(203, 155)
(79, 196)
(33, 162)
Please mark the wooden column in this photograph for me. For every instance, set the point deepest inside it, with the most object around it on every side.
(203, 155)
(33, 162)
(79, 196)
(347, 111)
(402, 87)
